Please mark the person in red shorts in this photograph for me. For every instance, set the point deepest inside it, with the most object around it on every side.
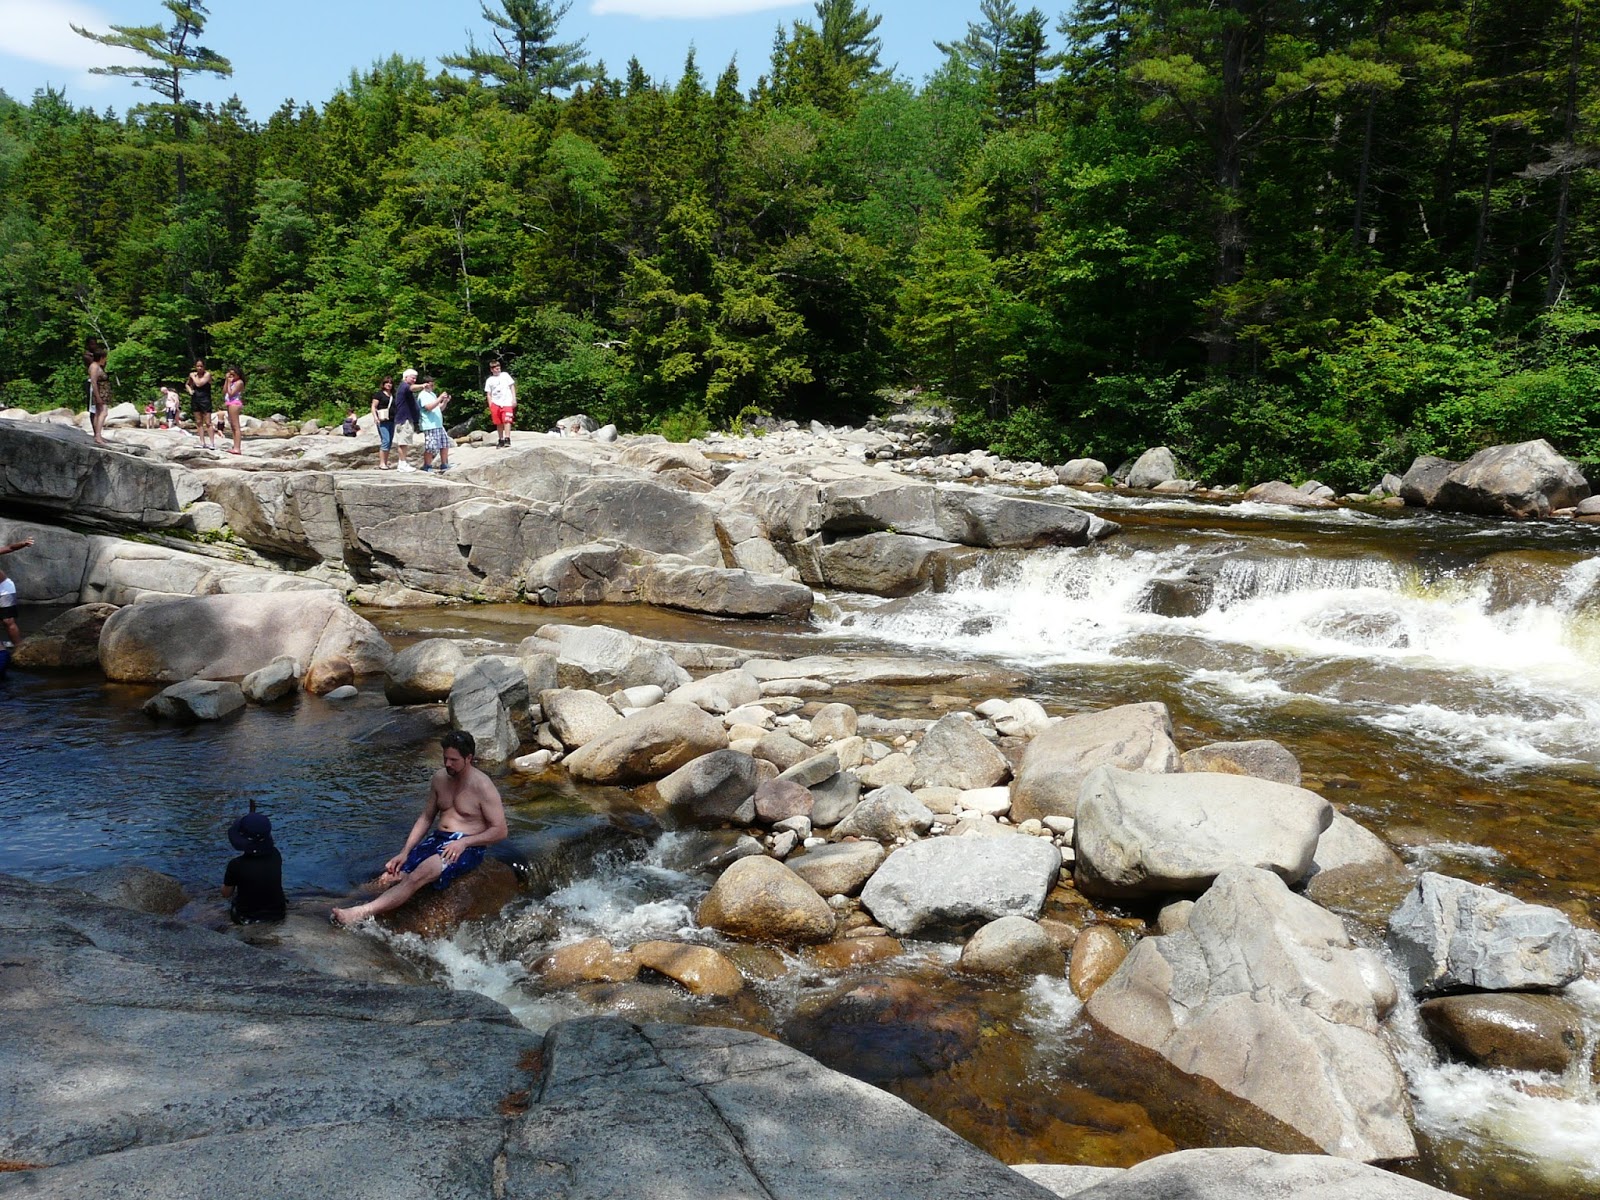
(501, 391)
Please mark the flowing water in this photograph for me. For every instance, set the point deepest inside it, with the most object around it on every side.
(1438, 678)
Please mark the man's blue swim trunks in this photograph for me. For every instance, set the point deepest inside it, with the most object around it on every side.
(435, 842)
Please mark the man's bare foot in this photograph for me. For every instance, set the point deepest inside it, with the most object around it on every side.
(348, 916)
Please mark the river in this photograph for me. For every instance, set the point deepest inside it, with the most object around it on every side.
(1438, 678)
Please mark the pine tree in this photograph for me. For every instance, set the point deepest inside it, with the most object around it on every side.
(526, 62)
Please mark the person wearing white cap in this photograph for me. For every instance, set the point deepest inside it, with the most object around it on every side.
(407, 416)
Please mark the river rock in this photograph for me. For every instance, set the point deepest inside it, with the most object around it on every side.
(761, 900)
(71, 640)
(886, 814)
(1012, 946)
(722, 591)
(954, 754)
(834, 799)
(226, 637)
(1079, 471)
(715, 787)
(60, 470)
(1423, 479)
(482, 698)
(809, 772)
(593, 960)
(1449, 934)
(1021, 717)
(691, 1112)
(698, 969)
(1515, 1031)
(476, 896)
(56, 562)
(840, 868)
(1346, 843)
(1525, 480)
(834, 723)
(577, 716)
(883, 564)
(781, 750)
(129, 885)
(648, 745)
(328, 674)
(720, 693)
(1144, 835)
(852, 953)
(954, 883)
(893, 770)
(279, 678)
(593, 655)
(1263, 995)
(423, 673)
(1233, 1173)
(1156, 465)
(780, 799)
(1263, 758)
(1097, 952)
(1278, 492)
(1134, 737)
(196, 700)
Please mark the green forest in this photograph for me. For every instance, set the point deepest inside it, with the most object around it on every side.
(1284, 237)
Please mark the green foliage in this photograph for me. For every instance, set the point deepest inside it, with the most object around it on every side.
(684, 425)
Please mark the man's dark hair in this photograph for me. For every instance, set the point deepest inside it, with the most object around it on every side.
(459, 740)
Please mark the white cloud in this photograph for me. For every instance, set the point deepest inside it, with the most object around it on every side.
(685, 10)
(41, 31)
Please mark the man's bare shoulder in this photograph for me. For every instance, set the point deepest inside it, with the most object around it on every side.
(482, 786)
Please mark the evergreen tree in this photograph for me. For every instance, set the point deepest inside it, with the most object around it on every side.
(526, 62)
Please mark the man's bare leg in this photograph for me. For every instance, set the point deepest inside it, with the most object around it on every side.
(428, 870)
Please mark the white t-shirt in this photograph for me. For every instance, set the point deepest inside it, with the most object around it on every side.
(501, 390)
(8, 593)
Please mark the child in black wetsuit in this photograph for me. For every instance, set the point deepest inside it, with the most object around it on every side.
(253, 882)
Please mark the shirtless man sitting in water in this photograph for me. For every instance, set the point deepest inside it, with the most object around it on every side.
(470, 816)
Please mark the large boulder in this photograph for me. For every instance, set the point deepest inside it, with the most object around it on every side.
(1278, 492)
(1525, 480)
(1078, 471)
(720, 693)
(435, 914)
(840, 868)
(577, 716)
(883, 564)
(722, 591)
(227, 637)
(715, 786)
(51, 570)
(945, 884)
(1513, 1031)
(1155, 466)
(684, 1112)
(1264, 995)
(70, 641)
(699, 970)
(648, 745)
(1134, 737)
(118, 571)
(1423, 479)
(485, 693)
(954, 754)
(196, 700)
(424, 672)
(886, 814)
(1451, 934)
(761, 900)
(294, 514)
(50, 468)
(1145, 835)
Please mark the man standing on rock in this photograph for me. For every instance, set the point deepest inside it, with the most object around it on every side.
(470, 816)
(501, 391)
(407, 416)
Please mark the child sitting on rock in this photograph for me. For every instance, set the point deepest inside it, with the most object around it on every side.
(253, 882)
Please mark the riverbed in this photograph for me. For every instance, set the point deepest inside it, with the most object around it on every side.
(1438, 678)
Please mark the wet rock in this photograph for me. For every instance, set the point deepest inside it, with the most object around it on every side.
(834, 799)
(279, 678)
(535, 763)
(479, 894)
(886, 814)
(852, 952)
(1278, 492)
(1423, 479)
(1134, 737)
(699, 969)
(883, 564)
(1263, 995)
(1516, 1031)
(956, 883)
(883, 1028)
(686, 1113)
(708, 851)
(226, 637)
(715, 786)
(481, 700)
(1079, 471)
(1263, 758)
(838, 869)
(779, 799)
(722, 591)
(345, 691)
(1012, 946)
(1449, 933)
(1525, 480)
(720, 693)
(648, 745)
(423, 673)
(328, 674)
(69, 641)
(1097, 952)
(1142, 835)
(129, 885)
(514, 935)
(834, 723)
(577, 716)
(761, 900)
(196, 700)
(954, 754)
(1156, 465)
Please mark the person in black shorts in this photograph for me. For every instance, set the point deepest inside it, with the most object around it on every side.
(198, 385)
(253, 882)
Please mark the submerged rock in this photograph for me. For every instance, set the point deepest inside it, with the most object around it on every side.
(883, 1028)
(196, 700)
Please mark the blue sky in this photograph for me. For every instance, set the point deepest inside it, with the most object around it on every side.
(305, 49)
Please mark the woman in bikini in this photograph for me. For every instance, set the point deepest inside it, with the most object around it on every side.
(233, 399)
(94, 358)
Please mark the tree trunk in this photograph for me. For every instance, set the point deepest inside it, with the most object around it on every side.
(1558, 239)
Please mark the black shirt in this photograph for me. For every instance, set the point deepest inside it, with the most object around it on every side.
(259, 880)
